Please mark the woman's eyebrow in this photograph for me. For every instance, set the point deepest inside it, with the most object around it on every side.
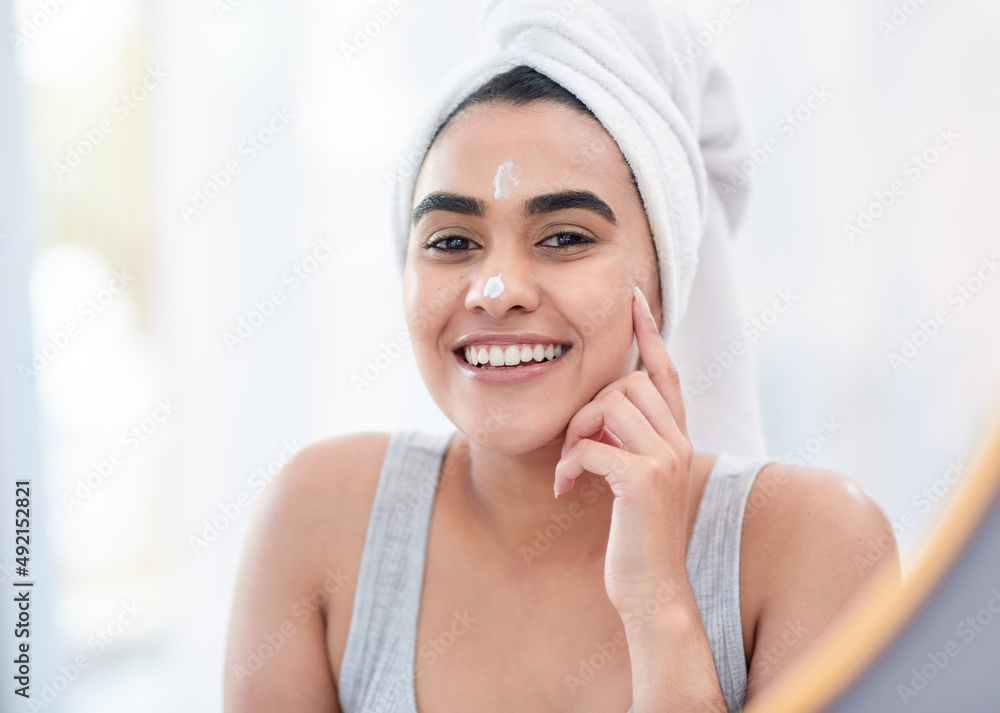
(551, 202)
(450, 202)
(545, 203)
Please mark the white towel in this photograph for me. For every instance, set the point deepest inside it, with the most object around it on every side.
(677, 124)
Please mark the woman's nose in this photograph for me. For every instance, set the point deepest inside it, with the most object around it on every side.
(502, 285)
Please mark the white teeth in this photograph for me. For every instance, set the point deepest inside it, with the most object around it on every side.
(511, 355)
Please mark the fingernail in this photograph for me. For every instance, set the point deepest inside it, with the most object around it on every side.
(555, 491)
(638, 293)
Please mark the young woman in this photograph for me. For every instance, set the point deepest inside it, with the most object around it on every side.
(567, 547)
(405, 572)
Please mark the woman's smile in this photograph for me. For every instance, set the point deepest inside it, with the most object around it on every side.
(510, 364)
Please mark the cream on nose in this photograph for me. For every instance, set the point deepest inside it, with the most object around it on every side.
(494, 287)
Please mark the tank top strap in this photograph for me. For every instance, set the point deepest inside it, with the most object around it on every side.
(377, 668)
(713, 565)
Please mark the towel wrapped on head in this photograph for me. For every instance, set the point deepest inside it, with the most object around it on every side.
(676, 121)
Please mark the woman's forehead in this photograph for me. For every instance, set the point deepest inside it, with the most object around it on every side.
(494, 150)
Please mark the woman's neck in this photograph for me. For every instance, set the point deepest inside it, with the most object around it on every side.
(510, 502)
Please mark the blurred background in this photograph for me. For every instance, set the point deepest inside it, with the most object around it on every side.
(165, 168)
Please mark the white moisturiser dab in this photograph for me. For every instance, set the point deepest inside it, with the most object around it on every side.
(507, 176)
(855, 493)
(494, 287)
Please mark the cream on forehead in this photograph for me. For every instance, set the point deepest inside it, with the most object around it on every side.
(505, 179)
(494, 287)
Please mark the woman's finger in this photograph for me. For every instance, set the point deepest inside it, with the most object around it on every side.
(640, 391)
(590, 457)
(613, 412)
(659, 365)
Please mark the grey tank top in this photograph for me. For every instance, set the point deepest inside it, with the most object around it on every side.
(377, 671)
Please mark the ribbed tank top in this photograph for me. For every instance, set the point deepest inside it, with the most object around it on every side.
(377, 670)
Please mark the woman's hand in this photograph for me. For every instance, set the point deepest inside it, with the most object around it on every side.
(633, 432)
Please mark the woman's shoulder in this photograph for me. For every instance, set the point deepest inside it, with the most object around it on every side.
(812, 540)
(320, 494)
(335, 462)
(301, 555)
(811, 534)
(795, 518)
(334, 472)
(810, 503)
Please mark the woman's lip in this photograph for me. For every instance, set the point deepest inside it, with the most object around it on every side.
(511, 375)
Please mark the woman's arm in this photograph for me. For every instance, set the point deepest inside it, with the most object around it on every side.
(672, 664)
(806, 554)
(817, 542)
(276, 654)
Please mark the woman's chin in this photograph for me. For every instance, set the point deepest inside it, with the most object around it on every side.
(513, 438)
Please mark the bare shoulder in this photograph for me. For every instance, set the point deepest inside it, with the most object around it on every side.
(795, 512)
(326, 478)
(812, 539)
(333, 462)
(302, 544)
(323, 487)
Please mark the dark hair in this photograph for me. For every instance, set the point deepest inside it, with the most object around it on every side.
(517, 87)
(520, 86)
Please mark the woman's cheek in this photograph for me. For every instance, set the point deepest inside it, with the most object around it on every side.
(595, 306)
(422, 334)
(610, 334)
(620, 330)
(417, 303)
(418, 325)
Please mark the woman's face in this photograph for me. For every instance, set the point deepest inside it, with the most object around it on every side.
(502, 191)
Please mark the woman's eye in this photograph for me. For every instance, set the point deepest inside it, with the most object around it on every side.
(567, 240)
(460, 243)
(448, 243)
